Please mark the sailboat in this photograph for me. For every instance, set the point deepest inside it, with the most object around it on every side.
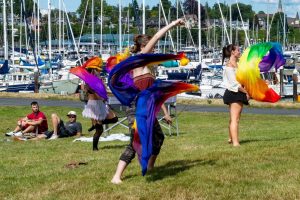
(60, 81)
(13, 82)
(4, 64)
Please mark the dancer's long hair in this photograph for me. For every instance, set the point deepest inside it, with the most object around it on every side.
(139, 42)
(226, 52)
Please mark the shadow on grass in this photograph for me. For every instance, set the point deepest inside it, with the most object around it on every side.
(173, 134)
(119, 146)
(174, 167)
(266, 139)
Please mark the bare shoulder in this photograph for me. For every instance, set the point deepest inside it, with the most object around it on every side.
(138, 71)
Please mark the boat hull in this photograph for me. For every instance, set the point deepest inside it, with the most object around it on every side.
(63, 87)
(18, 88)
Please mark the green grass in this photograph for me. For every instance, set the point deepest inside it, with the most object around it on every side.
(198, 164)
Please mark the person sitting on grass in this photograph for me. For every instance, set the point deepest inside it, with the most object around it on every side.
(69, 129)
(35, 122)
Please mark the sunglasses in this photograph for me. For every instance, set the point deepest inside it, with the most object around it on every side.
(72, 116)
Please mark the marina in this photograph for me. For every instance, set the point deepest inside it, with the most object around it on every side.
(44, 42)
(162, 99)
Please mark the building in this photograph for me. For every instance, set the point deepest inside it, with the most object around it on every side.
(294, 22)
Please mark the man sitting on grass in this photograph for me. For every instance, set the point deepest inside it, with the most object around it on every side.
(70, 128)
(35, 123)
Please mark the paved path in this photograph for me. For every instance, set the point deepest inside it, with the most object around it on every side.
(180, 108)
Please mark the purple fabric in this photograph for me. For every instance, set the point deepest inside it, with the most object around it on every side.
(120, 80)
(148, 101)
(273, 58)
(91, 80)
(148, 105)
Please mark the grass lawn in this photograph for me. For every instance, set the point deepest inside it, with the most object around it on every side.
(198, 164)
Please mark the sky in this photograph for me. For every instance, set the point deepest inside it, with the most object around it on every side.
(268, 6)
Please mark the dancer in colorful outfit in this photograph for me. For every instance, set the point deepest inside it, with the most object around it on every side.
(96, 108)
(143, 78)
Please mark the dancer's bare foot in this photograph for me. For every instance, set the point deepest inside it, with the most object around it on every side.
(236, 145)
(229, 141)
(116, 180)
(150, 168)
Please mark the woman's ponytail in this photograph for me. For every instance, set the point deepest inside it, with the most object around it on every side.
(226, 51)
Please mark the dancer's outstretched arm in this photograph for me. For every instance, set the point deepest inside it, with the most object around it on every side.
(151, 44)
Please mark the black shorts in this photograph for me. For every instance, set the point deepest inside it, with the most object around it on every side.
(234, 97)
(61, 131)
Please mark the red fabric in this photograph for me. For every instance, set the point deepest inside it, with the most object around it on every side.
(36, 116)
(144, 81)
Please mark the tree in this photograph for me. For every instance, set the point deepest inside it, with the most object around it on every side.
(215, 11)
(277, 27)
(246, 12)
(191, 7)
(166, 5)
(136, 13)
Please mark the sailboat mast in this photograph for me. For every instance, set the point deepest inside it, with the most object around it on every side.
(230, 21)
(72, 35)
(144, 18)
(63, 31)
(120, 27)
(253, 30)
(177, 28)
(101, 27)
(49, 30)
(224, 23)
(214, 34)
(237, 33)
(199, 31)
(128, 25)
(59, 26)
(93, 30)
(167, 23)
(26, 31)
(284, 31)
(33, 24)
(21, 24)
(38, 28)
(267, 37)
(12, 32)
(5, 31)
(244, 28)
(159, 16)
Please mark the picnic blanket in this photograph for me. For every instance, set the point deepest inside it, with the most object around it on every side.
(112, 137)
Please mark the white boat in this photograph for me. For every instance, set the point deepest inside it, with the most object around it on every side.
(62, 83)
(17, 82)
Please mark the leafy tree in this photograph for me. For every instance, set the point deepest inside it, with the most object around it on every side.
(215, 11)
(246, 12)
(191, 7)
(277, 26)
(166, 5)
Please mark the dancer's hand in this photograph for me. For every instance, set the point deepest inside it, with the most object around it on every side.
(248, 96)
(178, 22)
(168, 119)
